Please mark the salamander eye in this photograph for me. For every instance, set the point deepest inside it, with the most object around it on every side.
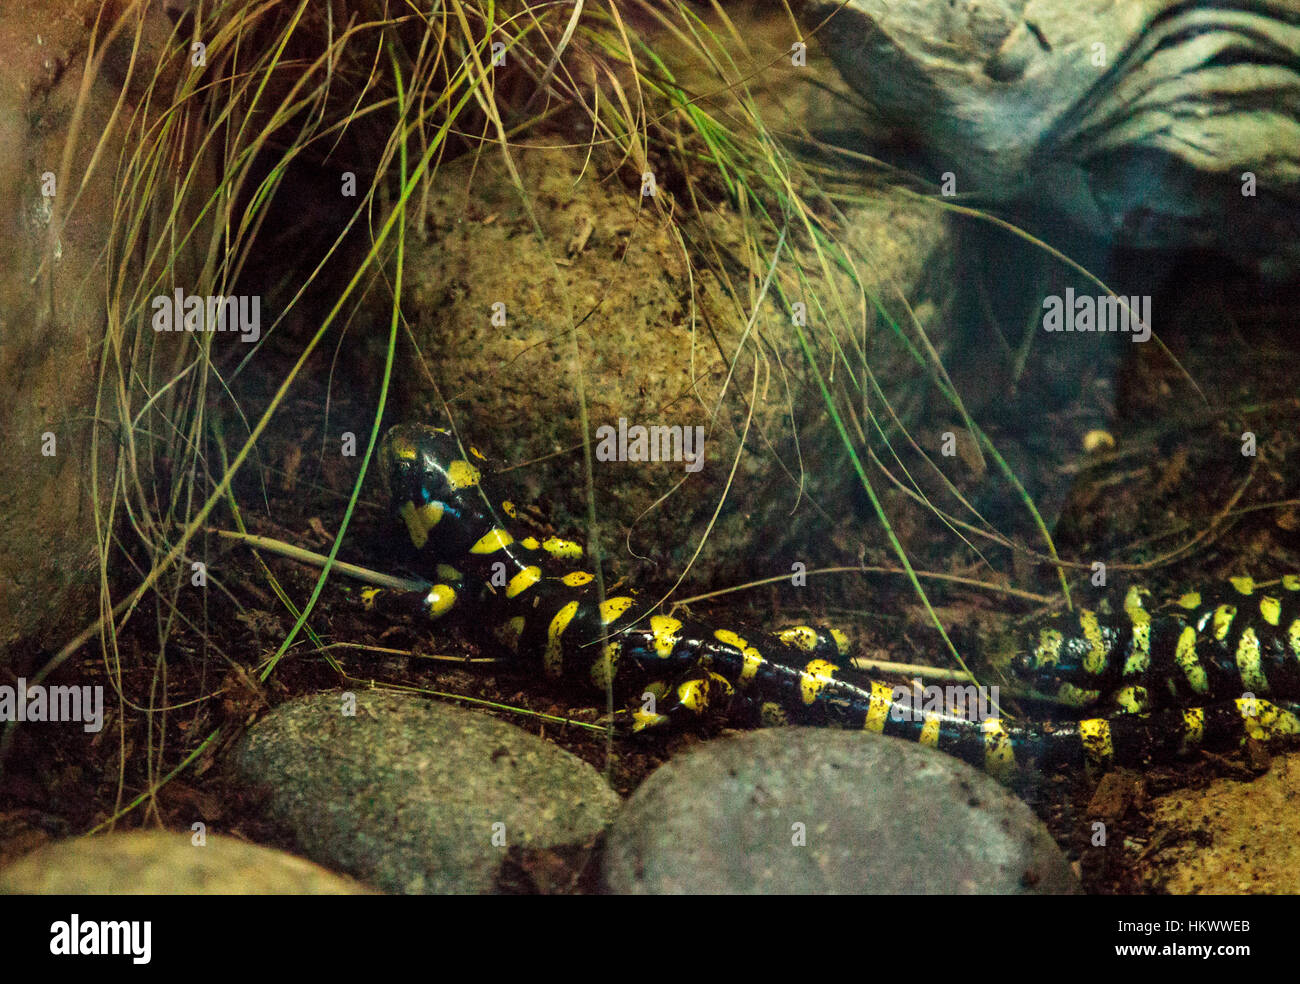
(401, 460)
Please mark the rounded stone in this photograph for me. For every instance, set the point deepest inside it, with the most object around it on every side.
(413, 796)
(807, 810)
(161, 862)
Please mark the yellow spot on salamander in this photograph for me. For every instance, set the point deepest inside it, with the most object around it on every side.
(878, 705)
(1248, 663)
(752, 658)
(368, 596)
(1131, 699)
(509, 509)
(1270, 609)
(841, 641)
(613, 608)
(1094, 661)
(440, 599)
(420, 520)
(816, 676)
(402, 449)
(1073, 696)
(1185, 657)
(462, 475)
(645, 719)
(1265, 721)
(449, 573)
(664, 629)
(1096, 441)
(1189, 601)
(603, 670)
(1139, 653)
(930, 731)
(530, 543)
(999, 757)
(1293, 638)
(800, 637)
(773, 715)
(476, 453)
(1097, 743)
(493, 540)
(430, 514)
(694, 695)
(562, 549)
(522, 581)
(1223, 616)
(1193, 728)
(1135, 599)
(1244, 585)
(576, 579)
(1291, 582)
(553, 658)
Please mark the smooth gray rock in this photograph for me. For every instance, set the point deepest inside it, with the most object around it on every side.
(408, 795)
(162, 862)
(879, 815)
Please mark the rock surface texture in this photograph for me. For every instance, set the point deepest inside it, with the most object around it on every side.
(810, 810)
(415, 797)
(161, 862)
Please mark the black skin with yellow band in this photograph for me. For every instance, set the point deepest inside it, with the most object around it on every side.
(535, 599)
(1241, 639)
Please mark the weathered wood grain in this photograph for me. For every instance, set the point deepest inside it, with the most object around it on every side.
(1139, 119)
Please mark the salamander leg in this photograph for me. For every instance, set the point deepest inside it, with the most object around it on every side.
(433, 604)
(698, 692)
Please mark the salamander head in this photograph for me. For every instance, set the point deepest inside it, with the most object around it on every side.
(428, 478)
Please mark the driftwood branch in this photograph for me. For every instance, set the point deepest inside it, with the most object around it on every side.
(1161, 124)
